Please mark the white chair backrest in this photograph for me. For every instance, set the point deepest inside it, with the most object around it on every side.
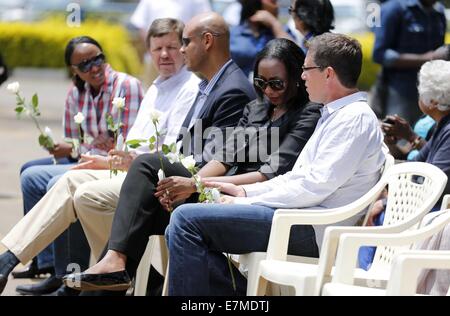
(388, 163)
(414, 188)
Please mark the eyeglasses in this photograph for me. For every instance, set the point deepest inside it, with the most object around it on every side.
(86, 65)
(186, 40)
(304, 68)
(275, 84)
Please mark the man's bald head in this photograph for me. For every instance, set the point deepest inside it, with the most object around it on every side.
(213, 23)
(206, 44)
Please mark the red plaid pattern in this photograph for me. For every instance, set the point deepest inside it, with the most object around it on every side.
(95, 109)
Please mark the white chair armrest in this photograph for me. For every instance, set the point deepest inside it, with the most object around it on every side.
(350, 243)
(284, 219)
(331, 241)
(408, 265)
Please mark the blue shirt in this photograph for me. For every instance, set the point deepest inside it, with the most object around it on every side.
(437, 149)
(204, 89)
(407, 27)
(424, 128)
(245, 46)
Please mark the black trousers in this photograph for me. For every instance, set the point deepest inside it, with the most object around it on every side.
(139, 213)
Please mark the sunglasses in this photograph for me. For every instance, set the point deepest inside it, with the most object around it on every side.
(86, 65)
(186, 40)
(275, 84)
(304, 68)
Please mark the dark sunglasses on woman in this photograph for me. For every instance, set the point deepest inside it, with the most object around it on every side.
(86, 65)
(274, 84)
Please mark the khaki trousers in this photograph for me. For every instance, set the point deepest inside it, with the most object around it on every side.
(88, 195)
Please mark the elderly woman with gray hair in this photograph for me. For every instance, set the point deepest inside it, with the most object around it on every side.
(434, 100)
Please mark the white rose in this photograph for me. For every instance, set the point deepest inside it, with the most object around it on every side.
(188, 162)
(155, 115)
(161, 174)
(173, 157)
(79, 118)
(215, 193)
(48, 132)
(14, 87)
(119, 103)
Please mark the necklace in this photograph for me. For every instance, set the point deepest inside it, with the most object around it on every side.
(277, 113)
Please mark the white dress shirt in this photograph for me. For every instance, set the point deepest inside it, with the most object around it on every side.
(339, 164)
(174, 98)
(149, 10)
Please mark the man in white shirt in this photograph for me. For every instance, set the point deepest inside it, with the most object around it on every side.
(149, 10)
(340, 163)
(91, 195)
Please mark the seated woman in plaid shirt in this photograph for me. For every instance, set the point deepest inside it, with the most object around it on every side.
(96, 84)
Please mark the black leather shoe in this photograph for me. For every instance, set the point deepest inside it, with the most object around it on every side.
(3, 281)
(64, 291)
(32, 272)
(114, 281)
(45, 287)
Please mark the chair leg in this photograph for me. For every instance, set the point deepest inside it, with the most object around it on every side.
(261, 286)
(164, 254)
(140, 287)
(165, 291)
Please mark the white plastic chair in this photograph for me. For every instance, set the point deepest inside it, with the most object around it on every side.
(155, 242)
(445, 202)
(406, 264)
(407, 203)
(251, 261)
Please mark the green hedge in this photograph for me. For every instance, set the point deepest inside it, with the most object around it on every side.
(42, 44)
(370, 69)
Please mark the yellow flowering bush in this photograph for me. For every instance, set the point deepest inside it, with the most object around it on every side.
(42, 44)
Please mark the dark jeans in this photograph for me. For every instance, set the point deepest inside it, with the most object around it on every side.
(71, 247)
(199, 234)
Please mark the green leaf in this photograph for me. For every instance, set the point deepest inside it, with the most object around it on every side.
(135, 143)
(110, 122)
(19, 109)
(173, 148)
(152, 140)
(35, 103)
(151, 146)
(46, 142)
(165, 149)
(19, 100)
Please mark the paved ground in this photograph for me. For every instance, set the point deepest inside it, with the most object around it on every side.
(18, 139)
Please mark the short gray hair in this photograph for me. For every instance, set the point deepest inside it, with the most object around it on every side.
(434, 78)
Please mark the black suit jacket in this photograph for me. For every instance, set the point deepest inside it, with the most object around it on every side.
(223, 108)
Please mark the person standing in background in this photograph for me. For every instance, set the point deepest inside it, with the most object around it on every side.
(411, 33)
